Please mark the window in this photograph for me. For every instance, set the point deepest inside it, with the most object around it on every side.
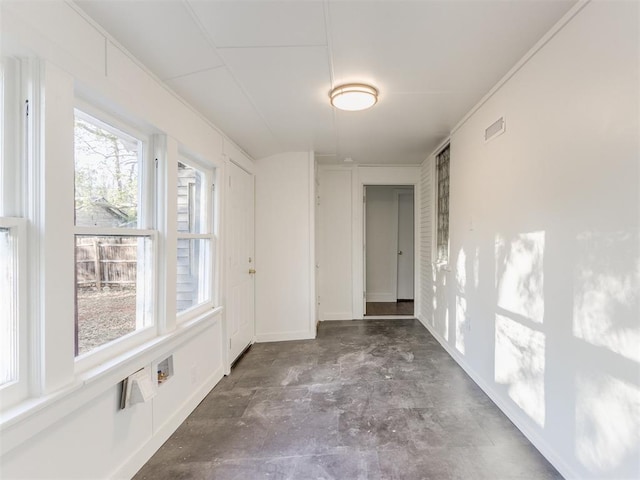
(195, 237)
(13, 240)
(442, 206)
(13, 335)
(114, 243)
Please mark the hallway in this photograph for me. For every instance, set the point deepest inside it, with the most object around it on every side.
(367, 399)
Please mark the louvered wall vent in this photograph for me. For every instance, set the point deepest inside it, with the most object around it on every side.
(495, 129)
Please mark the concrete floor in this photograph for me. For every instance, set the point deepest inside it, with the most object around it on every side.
(372, 399)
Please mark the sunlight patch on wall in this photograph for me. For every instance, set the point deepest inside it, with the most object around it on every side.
(476, 269)
(606, 308)
(607, 422)
(461, 323)
(461, 301)
(461, 272)
(519, 365)
(520, 274)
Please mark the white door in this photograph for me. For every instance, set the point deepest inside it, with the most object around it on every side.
(405, 246)
(240, 312)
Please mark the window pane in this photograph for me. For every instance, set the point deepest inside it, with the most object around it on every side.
(191, 200)
(106, 175)
(193, 282)
(113, 288)
(442, 172)
(8, 318)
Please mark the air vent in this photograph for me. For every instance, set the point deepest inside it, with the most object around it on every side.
(494, 130)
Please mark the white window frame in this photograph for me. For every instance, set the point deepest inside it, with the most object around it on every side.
(147, 215)
(209, 201)
(437, 261)
(12, 392)
(12, 205)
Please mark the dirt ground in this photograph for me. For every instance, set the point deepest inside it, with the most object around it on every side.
(104, 315)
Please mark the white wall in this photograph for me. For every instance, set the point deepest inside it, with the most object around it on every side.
(381, 241)
(541, 303)
(334, 248)
(337, 228)
(71, 427)
(285, 251)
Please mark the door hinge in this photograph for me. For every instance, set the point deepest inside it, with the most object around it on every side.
(364, 294)
(229, 344)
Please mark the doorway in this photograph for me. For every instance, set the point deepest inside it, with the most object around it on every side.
(389, 248)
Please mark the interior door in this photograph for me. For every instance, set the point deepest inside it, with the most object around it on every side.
(240, 311)
(405, 286)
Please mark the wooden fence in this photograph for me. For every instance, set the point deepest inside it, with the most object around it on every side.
(107, 261)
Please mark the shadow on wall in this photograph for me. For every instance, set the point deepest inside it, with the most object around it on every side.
(560, 318)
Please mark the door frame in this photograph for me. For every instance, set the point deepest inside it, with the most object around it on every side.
(245, 164)
(401, 176)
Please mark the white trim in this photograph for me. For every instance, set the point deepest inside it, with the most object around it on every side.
(131, 466)
(511, 412)
(158, 81)
(312, 245)
(113, 232)
(336, 316)
(389, 317)
(391, 175)
(16, 390)
(567, 17)
(285, 336)
(23, 422)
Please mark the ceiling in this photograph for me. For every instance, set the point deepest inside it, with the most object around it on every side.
(262, 70)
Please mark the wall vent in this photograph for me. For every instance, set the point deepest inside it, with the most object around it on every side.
(495, 129)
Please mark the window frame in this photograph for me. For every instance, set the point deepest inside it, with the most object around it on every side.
(438, 259)
(18, 389)
(209, 193)
(13, 152)
(146, 228)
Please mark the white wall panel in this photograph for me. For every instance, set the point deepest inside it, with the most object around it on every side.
(284, 247)
(335, 243)
(541, 304)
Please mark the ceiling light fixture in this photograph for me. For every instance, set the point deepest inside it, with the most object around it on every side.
(353, 97)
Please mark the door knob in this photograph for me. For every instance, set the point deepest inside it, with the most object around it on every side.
(251, 271)
(400, 252)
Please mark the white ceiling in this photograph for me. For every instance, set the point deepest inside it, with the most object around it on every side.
(262, 70)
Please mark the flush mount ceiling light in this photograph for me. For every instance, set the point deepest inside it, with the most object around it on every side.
(353, 97)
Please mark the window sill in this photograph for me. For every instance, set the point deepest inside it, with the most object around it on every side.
(20, 423)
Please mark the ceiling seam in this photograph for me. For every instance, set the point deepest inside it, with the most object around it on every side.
(136, 61)
(327, 32)
(195, 72)
(209, 40)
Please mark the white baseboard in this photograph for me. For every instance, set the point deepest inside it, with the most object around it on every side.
(381, 297)
(534, 437)
(336, 316)
(285, 336)
(146, 451)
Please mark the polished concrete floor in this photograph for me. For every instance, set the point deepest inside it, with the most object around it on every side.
(372, 399)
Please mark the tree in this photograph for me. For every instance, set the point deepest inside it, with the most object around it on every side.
(106, 168)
